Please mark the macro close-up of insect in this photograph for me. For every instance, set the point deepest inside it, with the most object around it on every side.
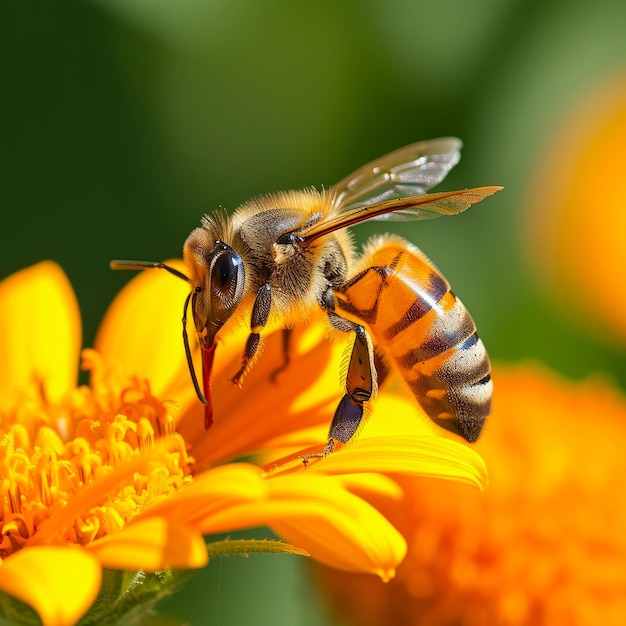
(279, 257)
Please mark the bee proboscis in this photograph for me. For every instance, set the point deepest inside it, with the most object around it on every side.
(279, 257)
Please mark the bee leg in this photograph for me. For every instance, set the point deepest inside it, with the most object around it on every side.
(286, 359)
(260, 314)
(361, 383)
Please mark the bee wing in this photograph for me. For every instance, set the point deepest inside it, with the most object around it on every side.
(409, 171)
(416, 207)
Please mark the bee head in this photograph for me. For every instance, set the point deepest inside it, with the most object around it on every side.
(218, 276)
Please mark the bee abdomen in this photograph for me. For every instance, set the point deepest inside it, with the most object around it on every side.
(430, 336)
(449, 371)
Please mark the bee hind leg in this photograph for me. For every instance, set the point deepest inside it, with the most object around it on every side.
(286, 335)
(361, 383)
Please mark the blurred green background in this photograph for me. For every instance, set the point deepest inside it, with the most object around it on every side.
(123, 121)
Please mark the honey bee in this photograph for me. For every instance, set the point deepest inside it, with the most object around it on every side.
(280, 257)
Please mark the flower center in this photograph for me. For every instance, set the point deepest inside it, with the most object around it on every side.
(75, 471)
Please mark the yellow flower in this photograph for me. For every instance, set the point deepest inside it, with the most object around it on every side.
(544, 545)
(575, 218)
(121, 473)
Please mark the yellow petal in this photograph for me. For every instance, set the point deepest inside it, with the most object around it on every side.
(40, 331)
(332, 541)
(398, 413)
(151, 544)
(59, 582)
(305, 506)
(397, 439)
(434, 457)
(338, 528)
(316, 513)
(368, 485)
(141, 331)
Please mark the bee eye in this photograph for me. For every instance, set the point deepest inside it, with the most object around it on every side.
(223, 269)
(227, 276)
(289, 239)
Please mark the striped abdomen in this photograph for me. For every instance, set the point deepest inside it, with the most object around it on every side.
(427, 332)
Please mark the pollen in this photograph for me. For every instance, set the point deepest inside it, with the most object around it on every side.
(57, 454)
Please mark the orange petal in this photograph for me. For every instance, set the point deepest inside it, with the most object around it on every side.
(141, 332)
(40, 331)
(151, 544)
(575, 220)
(59, 582)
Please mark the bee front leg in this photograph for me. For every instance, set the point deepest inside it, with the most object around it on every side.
(260, 314)
(361, 383)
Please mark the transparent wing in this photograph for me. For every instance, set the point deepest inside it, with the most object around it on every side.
(413, 207)
(409, 171)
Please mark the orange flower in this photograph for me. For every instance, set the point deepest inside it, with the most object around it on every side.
(545, 543)
(575, 220)
(109, 475)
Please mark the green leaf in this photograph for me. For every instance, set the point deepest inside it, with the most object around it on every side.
(17, 613)
(129, 598)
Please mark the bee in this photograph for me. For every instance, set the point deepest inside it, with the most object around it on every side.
(280, 257)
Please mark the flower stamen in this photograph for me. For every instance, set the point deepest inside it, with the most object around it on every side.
(98, 470)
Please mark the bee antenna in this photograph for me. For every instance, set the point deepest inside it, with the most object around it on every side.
(194, 379)
(145, 265)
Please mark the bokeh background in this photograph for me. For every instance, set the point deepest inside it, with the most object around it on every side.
(123, 121)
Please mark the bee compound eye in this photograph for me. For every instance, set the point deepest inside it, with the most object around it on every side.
(223, 270)
(227, 278)
(289, 239)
